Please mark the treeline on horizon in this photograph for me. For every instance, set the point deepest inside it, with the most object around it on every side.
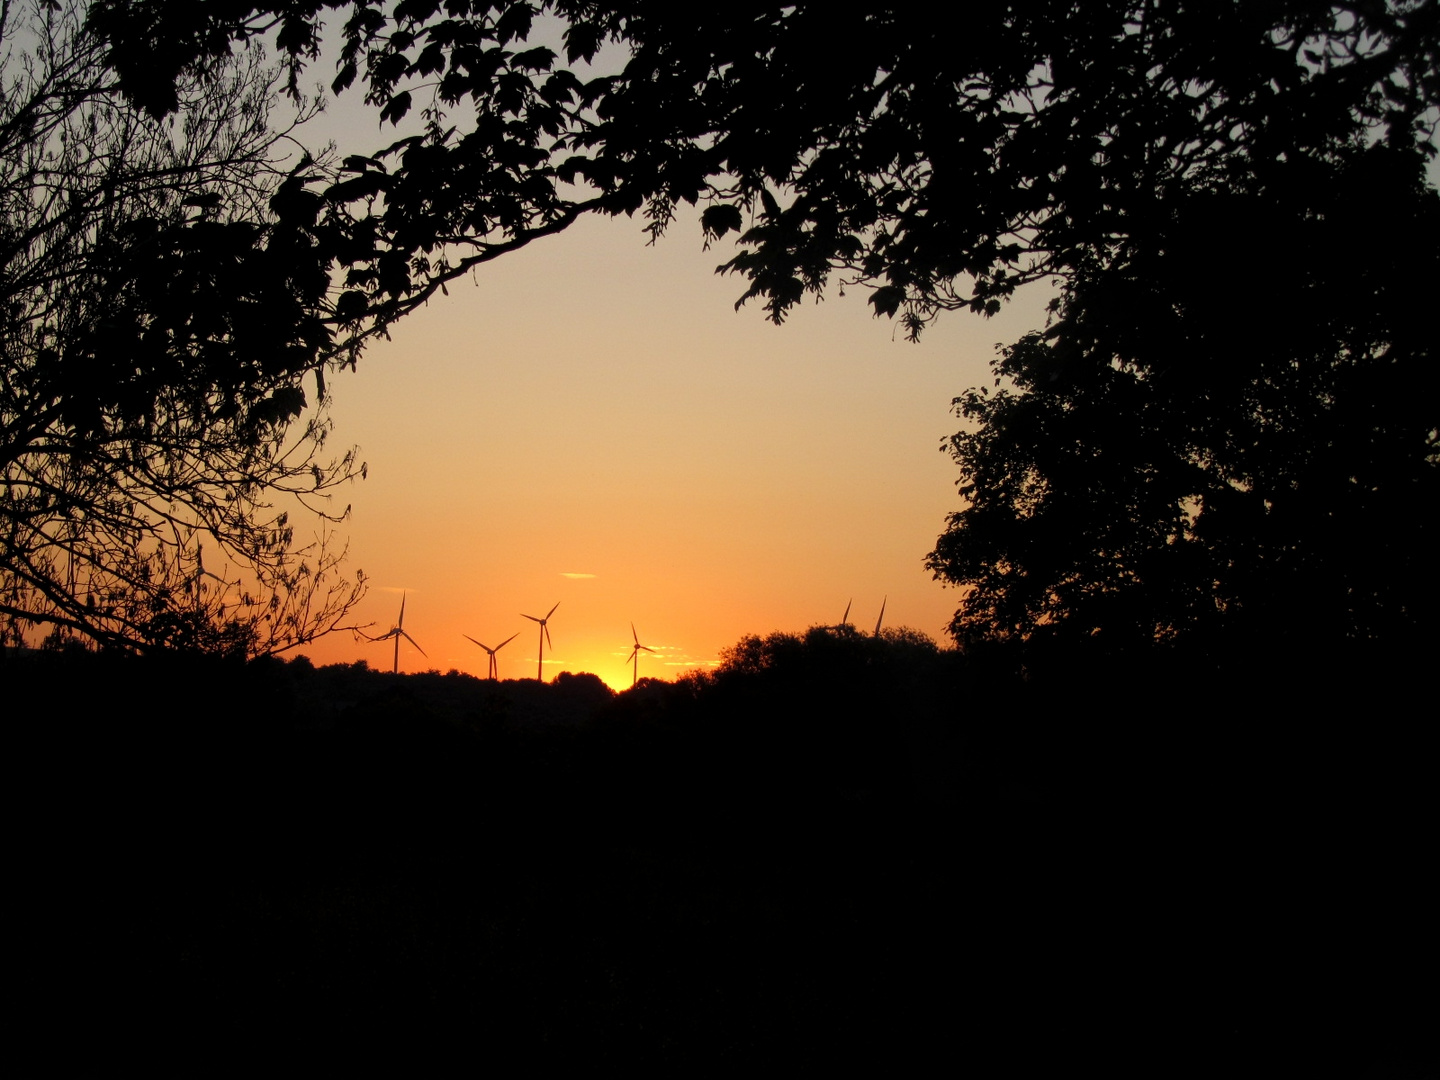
(833, 847)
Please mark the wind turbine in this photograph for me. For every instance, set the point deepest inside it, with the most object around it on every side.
(544, 637)
(200, 572)
(635, 655)
(845, 619)
(881, 617)
(397, 632)
(494, 667)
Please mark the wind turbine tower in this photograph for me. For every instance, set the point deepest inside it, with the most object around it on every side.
(635, 655)
(544, 637)
(494, 667)
(397, 632)
(200, 572)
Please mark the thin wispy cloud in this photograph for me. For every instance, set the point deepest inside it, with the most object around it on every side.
(655, 649)
(576, 577)
(679, 658)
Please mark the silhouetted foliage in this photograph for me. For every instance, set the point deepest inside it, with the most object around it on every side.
(1085, 144)
(1235, 472)
(834, 850)
(158, 318)
(940, 169)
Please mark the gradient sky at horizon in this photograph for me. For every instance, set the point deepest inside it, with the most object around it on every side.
(589, 421)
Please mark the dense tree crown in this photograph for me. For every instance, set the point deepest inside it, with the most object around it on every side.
(943, 169)
(1111, 147)
(157, 322)
(1192, 454)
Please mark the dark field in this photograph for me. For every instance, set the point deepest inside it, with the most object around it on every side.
(845, 858)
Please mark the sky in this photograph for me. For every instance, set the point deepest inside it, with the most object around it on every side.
(589, 422)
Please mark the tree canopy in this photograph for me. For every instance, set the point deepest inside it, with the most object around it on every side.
(1213, 449)
(872, 146)
(158, 321)
(1085, 144)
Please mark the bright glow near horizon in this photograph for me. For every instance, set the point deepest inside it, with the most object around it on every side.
(592, 423)
(589, 421)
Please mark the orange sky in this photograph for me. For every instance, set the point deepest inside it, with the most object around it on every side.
(589, 422)
(592, 423)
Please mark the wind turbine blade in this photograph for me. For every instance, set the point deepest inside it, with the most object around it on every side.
(844, 619)
(882, 616)
(547, 635)
(532, 618)
(401, 621)
(412, 641)
(633, 653)
(633, 634)
(467, 637)
(507, 641)
(552, 610)
(646, 648)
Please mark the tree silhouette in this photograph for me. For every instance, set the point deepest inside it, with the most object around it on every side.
(939, 170)
(1189, 458)
(1083, 144)
(157, 324)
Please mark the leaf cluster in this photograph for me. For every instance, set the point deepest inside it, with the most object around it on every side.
(158, 321)
(1194, 455)
(873, 146)
(1158, 462)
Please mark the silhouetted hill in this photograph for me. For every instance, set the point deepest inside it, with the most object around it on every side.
(832, 850)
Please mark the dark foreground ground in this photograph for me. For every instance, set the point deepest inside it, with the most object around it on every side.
(222, 867)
